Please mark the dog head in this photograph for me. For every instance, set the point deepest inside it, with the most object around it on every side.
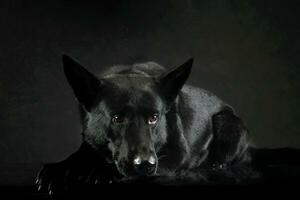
(125, 113)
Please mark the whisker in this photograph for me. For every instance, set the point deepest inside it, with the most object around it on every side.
(161, 156)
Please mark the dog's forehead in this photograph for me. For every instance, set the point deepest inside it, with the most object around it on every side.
(130, 81)
(132, 92)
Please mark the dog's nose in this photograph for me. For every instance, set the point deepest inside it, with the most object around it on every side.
(144, 166)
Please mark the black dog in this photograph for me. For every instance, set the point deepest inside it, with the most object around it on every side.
(143, 121)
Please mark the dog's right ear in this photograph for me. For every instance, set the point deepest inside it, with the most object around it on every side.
(85, 85)
(171, 82)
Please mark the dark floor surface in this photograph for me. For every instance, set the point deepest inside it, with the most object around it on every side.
(280, 170)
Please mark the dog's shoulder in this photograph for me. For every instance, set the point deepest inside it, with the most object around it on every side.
(200, 100)
(196, 106)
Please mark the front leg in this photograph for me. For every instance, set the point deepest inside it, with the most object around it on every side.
(85, 166)
(229, 143)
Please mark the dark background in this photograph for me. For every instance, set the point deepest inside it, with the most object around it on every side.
(246, 52)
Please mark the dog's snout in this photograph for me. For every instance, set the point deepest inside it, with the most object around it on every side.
(138, 160)
(144, 166)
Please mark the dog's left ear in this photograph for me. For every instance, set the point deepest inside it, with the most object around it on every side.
(171, 82)
(85, 85)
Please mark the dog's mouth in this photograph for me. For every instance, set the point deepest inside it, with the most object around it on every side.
(124, 169)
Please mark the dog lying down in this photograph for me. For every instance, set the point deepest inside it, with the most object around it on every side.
(142, 122)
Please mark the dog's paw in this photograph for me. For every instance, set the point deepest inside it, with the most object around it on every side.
(52, 178)
(218, 166)
(59, 178)
(62, 177)
(99, 175)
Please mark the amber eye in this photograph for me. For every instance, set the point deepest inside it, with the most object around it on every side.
(118, 119)
(153, 119)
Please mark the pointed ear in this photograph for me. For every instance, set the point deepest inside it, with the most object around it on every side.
(85, 85)
(171, 82)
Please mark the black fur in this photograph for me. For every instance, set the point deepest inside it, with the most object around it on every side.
(142, 116)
